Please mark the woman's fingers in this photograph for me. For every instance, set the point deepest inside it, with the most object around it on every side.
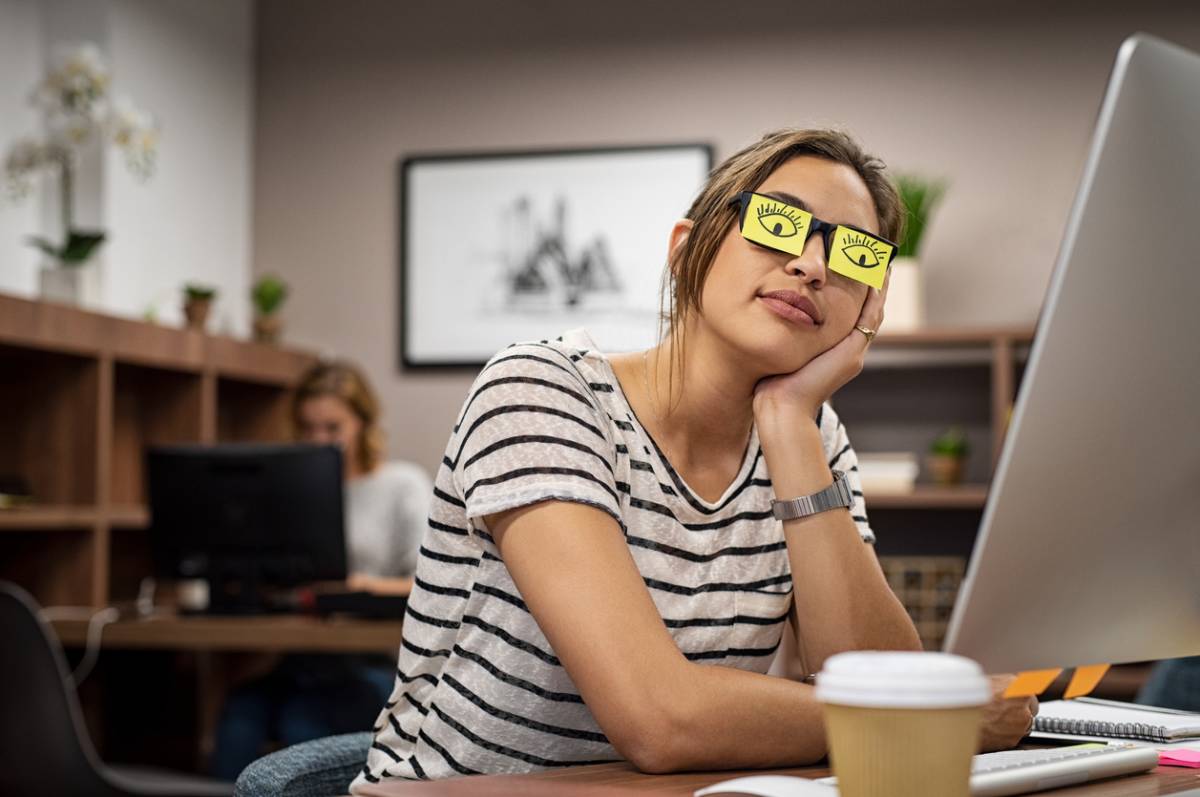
(871, 316)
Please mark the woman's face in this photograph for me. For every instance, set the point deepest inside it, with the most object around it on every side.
(750, 292)
(327, 420)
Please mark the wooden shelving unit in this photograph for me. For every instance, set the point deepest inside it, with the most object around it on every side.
(966, 496)
(83, 394)
(914, 385)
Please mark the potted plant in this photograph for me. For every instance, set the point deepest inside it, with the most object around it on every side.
(197, 302)
(919, 196)
(948, 456)
(74, 99)
(268, 295)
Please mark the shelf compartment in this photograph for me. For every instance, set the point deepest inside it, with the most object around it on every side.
(56, 568)
(249, 412)
(151, 406)
(48, 433)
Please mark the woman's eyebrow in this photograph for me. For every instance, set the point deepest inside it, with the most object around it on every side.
(789, 199)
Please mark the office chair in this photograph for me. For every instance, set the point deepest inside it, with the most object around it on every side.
(310, 769)
(44, 746)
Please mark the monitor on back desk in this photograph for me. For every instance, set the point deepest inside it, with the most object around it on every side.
(248, 519)
(1089, 548)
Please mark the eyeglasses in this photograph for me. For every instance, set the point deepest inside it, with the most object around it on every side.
(849, 251)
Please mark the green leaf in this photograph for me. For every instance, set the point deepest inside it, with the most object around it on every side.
(919, 197)
(268, 294)
(80, 246)
(198, 292)
(952, 442)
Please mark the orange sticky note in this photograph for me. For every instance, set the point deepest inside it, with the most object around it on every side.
(1084, 680)
(1031, 683)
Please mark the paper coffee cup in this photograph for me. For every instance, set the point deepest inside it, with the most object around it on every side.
(902, 724)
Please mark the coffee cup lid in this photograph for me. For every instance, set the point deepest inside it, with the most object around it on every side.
(897, 679)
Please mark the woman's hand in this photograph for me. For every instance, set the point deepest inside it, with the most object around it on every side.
(806, 389)
(1005, 720)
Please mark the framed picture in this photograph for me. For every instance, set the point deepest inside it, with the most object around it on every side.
(497, 248)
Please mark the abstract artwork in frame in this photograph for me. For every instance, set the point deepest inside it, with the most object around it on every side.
(498, 248)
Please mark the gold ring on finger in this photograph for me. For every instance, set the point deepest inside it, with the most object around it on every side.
(870, 333)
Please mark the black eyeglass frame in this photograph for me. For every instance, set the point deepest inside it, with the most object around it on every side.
(825, 228)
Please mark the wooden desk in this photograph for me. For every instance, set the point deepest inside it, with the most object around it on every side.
(258, 634)
(615, 780)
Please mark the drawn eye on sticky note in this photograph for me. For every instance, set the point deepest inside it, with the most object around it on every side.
(860, 256)
(776, 224)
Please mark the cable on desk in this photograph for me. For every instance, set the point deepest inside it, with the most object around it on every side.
(97, 619)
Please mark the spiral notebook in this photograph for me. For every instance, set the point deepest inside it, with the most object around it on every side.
(1090, 717)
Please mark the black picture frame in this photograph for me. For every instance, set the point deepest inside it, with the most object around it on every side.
(428, 251)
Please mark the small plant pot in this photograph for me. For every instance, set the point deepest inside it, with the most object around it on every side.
(196, 311)
(268, 328)
(945, 469)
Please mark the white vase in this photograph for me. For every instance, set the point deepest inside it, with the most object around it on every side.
(905, 310)
(73, 285)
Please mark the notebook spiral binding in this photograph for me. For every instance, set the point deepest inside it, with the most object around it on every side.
(1122, 730)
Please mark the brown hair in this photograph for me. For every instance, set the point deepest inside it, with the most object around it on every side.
(344, 381)
(712, 213)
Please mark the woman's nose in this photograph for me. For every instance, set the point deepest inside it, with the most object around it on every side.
(810, 266)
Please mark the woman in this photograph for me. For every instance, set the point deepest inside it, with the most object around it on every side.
(603, 576)
(386, 502)
(310, 696)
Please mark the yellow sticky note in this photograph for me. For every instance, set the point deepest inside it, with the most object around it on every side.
(859, 256)
(1034, 682)
(1084, 680)
(776, 224)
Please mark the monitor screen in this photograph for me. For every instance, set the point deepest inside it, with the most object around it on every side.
(247, 517)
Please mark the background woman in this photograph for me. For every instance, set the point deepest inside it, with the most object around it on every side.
(309, 696)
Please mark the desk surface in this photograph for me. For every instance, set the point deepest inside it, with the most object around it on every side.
(265, 633)
(614, 780)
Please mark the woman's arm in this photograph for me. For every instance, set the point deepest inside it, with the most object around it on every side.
(841, 599)
(383, 585)
(662, 712)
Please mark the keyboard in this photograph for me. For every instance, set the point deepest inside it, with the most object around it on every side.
(1026, 771)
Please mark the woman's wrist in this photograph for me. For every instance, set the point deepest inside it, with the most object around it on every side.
(795, 456)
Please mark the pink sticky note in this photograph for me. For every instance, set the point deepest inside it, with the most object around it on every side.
(1179, 758)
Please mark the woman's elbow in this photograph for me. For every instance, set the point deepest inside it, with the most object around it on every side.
(654, 742)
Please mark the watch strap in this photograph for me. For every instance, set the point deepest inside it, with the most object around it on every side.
(835, 496)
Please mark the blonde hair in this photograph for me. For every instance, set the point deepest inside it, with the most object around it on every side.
(712, 214)
(345, 382)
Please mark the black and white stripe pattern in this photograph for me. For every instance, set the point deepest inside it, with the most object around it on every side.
(478, 688)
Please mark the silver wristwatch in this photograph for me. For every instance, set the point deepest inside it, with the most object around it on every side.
(834, 496)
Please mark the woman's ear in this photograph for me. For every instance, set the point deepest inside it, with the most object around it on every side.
(679, 235)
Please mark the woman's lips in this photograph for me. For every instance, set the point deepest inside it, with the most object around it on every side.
(787, 311)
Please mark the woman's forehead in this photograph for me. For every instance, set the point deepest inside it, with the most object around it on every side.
(829, 190)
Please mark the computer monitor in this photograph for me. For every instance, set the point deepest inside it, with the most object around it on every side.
(1089, 548)
(246, 518)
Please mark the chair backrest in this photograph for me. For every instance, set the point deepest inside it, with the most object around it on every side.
(44, 746)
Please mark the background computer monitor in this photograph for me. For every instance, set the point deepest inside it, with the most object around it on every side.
(246, 518)
(1089, 548)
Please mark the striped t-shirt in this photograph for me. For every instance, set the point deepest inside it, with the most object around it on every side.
(478, 687)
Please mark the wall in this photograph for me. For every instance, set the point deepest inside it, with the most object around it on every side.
(20, 66)
(191, 64)
(1000, 102)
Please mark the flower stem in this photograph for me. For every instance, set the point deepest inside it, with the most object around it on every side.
(66, 178)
